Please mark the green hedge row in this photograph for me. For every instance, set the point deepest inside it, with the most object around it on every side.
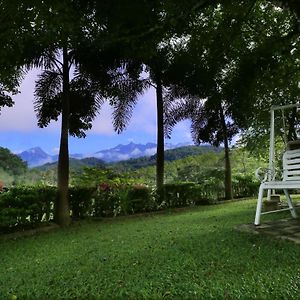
(29, 206)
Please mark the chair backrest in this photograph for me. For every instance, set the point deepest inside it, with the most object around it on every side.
(291, 165)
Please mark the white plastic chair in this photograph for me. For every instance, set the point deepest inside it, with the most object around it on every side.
(290, 181)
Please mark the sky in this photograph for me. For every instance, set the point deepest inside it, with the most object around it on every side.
(19, 130)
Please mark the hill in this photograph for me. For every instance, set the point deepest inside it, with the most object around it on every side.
(170, 155)
(133, 163)
(11, 166)
(37, 157)
(204, 167)
(75, 164)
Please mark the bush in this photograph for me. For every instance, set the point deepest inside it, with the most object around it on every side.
(110, 199)
(26, 206)
(184, 194)
(122, 199)
(244, 186)
(29, 206)
(177, 194)
(140, 199)
(81, 201)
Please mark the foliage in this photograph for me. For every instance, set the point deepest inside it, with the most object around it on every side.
(183, 194)
(30, 206)
(26, 206)
(11, 163)
(81, 201)
(93, 176)
(207, 171)
(170, 155)
(191, 254)
(12, 168)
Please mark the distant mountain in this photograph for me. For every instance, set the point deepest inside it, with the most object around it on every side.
(125, 152)
(37, 157)
(134, 163)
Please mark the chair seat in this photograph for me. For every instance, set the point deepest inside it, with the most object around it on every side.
(289, 184)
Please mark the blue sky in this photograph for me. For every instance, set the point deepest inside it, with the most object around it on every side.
(18, 129)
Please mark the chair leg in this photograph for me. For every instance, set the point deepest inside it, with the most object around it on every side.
(259, 205)
(269, 193)
(290, 203)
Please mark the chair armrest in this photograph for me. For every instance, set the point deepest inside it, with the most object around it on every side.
(262, 174)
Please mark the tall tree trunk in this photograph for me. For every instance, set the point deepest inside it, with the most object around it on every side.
(62, 205)
(228, 179)
(160, 155)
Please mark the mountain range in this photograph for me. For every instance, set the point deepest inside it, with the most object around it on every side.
(37, 156)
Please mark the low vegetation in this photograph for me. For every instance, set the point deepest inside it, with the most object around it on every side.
(193, 254)
(102, 192)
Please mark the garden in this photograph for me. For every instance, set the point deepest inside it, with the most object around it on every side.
(192, 253)
(148, 221)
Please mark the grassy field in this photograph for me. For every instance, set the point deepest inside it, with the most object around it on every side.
(195, 253)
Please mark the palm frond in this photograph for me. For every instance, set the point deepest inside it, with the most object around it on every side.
(48, 59)
(122, 113)
(179, 108)
(85, 103)
(124, 93)
(47, 103)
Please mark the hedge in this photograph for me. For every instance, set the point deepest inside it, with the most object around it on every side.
(29, 206)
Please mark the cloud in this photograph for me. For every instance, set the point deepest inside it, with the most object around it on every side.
(122, 156)
(21, 117)
(21, 120)
(103, 122)
(144, 115)
(17, 151)
(150, 151)
(136, 151)
(55, 150)
(98, 155)
(182, 131)
(143, 119)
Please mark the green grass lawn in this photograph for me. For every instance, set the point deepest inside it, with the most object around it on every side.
(195, 253)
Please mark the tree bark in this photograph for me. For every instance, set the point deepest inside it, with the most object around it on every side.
(160, 154)
(228, 179)
(62, 211)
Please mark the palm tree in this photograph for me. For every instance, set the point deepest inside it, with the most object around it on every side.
(76, 100)
(210, 123)
(123, 109)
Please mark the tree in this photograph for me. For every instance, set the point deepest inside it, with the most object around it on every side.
(11, 163)
(98, 74)
(154, 34)
(59, 32)
(270, 72)
(15, 30)
(211, 81)
(77, 102)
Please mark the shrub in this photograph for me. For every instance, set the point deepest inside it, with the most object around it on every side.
(177, 194)
(140, 199)
(184, 194)
(81, 201)
(244, 186)
(122, 199)
(26, 206)
(29, 206)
